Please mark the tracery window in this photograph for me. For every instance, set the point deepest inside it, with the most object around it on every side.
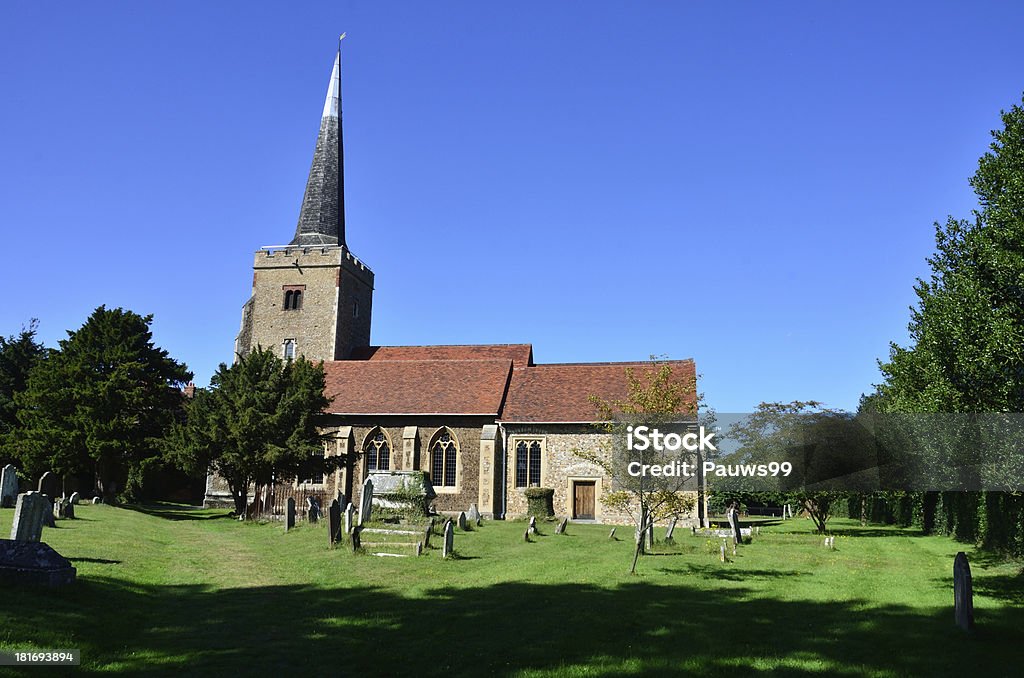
(377, 451)
(444, 453)
(528, 462)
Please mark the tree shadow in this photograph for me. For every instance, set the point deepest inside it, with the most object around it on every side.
(100, 561)
(176, 511)
(642, 628)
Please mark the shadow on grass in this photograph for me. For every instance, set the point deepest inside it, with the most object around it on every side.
(874, 532)
(178, 511)
(640, 628)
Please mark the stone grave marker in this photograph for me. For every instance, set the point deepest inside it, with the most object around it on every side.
(342, 500)
(29, 512)
(463, 525)
(75, 498)
(449, 540)
(734, 523)
(526, 535)
(480, 521)
(334, 523)
(533, 525)
(31, 563)
(670, 530)
(722, 551)
(48, 520)
(561, 526)
(349, 512)
(97, 500)
(366, 502)
(963, 593)
(69, 510)
(289, 514)
(426, 533)
(48, 485)
(611, 535)
(312, 510)
(356, 539)
(473, 514)
(8, 487)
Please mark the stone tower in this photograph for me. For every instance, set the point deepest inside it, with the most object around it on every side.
(312, 297)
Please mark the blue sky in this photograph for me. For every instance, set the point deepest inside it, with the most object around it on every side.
(753, 186)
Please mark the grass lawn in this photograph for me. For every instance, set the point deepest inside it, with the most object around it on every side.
(171, 590)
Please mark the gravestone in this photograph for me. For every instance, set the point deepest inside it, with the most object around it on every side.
(48, 485)
(734, 523)
(671, 529)
(8, 487)
(463, 525)
(426, 533)
(356, 539)
(611, 535)
(561, 526)
(97, 500)
(57, 508)
(342, 500)
(533, 525)
(75, 498)
(334, 523)
(474, 513)
(312, 510)
(526, 535)
(963, 593)
(289, 514)
(29, 513)
(48, 520)
(479, 521)
(349, 511)
(31, 563)
(449, 540)
(722, 551)
(69, 510)
(366, 502)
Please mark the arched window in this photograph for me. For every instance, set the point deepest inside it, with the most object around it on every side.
(377, 451)
(297, 300)
(293, 297)
(288, 295)
(528, 454)
(289, 349)
(444, 451)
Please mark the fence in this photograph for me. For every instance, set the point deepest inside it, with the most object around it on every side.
(270, 502)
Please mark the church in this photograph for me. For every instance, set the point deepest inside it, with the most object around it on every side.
(484, 422)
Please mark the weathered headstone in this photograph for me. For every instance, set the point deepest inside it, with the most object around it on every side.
(334, 523)
(734, 523)
(963, 593)
(611, 535)
(75, 498)
(479, 521)
(29, 512)
(474, 513)
(342, 500)
(533, 525)
(312, 510)
(349, 511)
(69, 510)
(670, 530)
(561, 526)
(8, 486)
(723, 551)
(526, 535)
(356, 538)
(463, 524)
(426, 533)
(97, 500)
(366, 502)
(30, 563)
(48, 485)
(449, 540)
(693, 530)
(48, 520)
(289, 514)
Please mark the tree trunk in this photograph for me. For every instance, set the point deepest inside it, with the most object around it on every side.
(239, 493)
(636, 551)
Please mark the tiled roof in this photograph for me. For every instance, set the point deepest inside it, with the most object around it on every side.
(561, 393)
(520, 354)
(409, 386)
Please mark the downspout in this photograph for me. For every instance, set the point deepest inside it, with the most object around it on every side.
(504, 470)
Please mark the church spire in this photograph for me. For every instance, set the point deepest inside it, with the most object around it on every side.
(322, 216)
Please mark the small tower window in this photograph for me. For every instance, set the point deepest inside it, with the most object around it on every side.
(293, 297)
(289, 349)
(355, 307)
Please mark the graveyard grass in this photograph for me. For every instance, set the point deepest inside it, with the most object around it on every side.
(170, 589)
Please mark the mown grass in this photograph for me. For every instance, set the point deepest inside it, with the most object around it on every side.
(170, 590)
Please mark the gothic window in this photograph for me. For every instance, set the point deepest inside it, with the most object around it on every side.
(377, 451)
(317, 476)
(289, 349)
(528, 456)
(444, 454)
(355, 307)
(293, 297)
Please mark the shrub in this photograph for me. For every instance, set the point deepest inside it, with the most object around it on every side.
(540, 502)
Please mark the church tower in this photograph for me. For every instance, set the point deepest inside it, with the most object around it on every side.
(312, 297)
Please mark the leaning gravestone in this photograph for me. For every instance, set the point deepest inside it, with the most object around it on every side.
(734, 523)
(48, 485)
(366, 502)
(533, 525)
(8, 487)
(449, 540)
(29, 515)
(342, 500)
(29, 563)
(97, 500)
(69, 510)
(334, 523)
(48, 520)
(561, 526)
(312, 510)
(349, 511)
(289, 514)
(75, 498)
(671, 529)
(963, 593)
(463, 525)
(474, 513)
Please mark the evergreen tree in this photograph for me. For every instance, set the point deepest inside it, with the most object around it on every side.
(18, 354)
(100, 402)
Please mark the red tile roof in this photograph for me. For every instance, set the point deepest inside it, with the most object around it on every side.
(409, 386)
(561, 393)
(520, 354)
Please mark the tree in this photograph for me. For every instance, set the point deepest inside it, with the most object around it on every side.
(255, 425)
(657, 398)
(18, 354)
(101, 401)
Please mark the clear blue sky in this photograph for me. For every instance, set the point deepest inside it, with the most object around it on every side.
(751, 186)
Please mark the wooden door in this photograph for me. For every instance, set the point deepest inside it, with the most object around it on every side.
(583, 500)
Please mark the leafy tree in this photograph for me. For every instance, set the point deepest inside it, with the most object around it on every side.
(660, 399)
(101, 401)
(18, 354)
(255, 425)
